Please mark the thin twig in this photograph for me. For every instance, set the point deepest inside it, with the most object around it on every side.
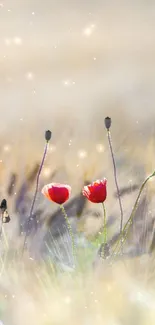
(116, 182)
(35, 195)
(125, 230)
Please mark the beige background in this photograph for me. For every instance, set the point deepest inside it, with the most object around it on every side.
(64, 65)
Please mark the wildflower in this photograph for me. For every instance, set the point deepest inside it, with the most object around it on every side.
(58, 193)
(96, 192)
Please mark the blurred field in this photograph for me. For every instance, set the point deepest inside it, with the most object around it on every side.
(118, 294)
(64, 66)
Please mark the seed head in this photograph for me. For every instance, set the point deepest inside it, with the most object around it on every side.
(107, 122)
(3, 205)
(48, 135)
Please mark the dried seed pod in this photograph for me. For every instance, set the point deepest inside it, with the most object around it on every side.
(107, 122)
(3, 205)
(48, 135)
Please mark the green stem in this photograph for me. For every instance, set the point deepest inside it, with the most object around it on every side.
(69, 229)
(104, 232)
(125, 230)
(104, 224)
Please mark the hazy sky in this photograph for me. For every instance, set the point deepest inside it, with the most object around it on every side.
(75, 59)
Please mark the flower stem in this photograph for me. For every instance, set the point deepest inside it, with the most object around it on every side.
(125, 230)
(104, 232)
(69, 229)
(35, 195)
(104, 224)
(116, 181)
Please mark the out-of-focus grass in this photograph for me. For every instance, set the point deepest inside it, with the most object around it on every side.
(118, 293)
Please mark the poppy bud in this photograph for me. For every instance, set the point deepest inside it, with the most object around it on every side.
(48, 135)
(107, 122)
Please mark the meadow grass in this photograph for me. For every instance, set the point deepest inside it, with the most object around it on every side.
(119, 292)
(41, 290)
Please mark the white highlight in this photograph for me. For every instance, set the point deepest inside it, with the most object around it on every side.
(29, 76)
(52, 148)
(46, 172)
(67, 300)
(6, 148)
(89, 30)
(100, 147)
(17, 40)
(82, 154)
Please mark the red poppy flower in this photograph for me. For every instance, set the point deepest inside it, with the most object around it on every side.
(96, 192)
(58, 193)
